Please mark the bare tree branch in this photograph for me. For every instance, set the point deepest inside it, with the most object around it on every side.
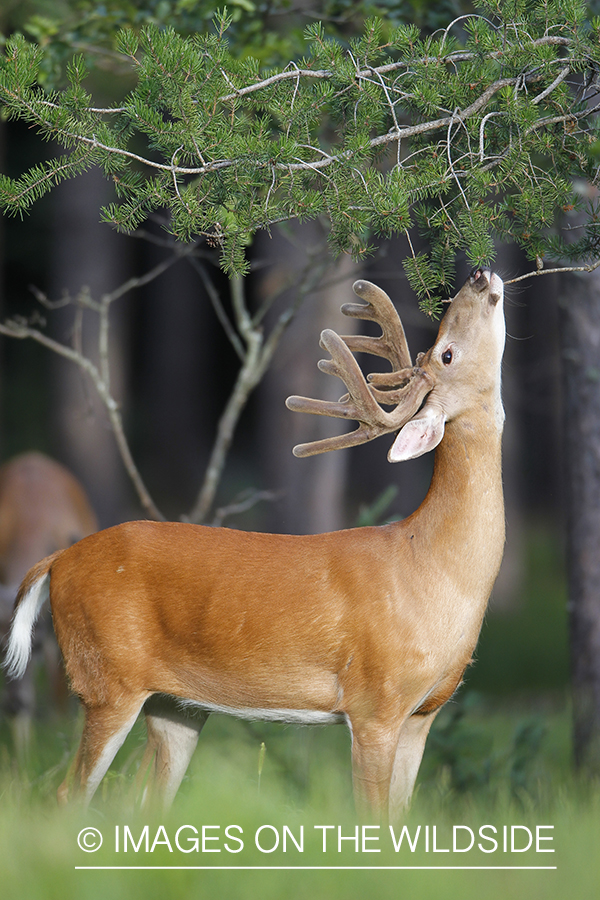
(256, 360)
(247, 379)
(255, 349)
(246, 500)
(16, 329)
(99, 374)
(589, 268)
(218, 307)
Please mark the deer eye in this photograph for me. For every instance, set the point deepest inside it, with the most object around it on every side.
(447, 357)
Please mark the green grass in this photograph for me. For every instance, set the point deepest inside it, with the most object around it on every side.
(486, 764)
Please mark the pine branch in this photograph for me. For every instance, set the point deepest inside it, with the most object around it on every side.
(374, 136)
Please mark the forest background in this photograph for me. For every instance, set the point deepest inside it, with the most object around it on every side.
(206, 443)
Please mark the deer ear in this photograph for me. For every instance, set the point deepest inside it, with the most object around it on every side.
(419, 435)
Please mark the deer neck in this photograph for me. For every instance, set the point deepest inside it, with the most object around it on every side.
(459, 527)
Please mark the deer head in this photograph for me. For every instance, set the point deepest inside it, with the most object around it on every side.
(458, 374)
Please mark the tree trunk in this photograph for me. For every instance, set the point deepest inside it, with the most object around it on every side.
(315, 487)
(87, 253)
(580, 336)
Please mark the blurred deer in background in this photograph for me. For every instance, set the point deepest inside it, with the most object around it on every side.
(369, 626)
(43, 508)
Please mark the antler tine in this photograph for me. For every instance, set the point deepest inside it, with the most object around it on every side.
(361, 402)
(391, 344)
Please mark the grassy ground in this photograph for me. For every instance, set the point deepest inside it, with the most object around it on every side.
(486, 765)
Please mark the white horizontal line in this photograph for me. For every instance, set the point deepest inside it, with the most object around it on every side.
(325, 868)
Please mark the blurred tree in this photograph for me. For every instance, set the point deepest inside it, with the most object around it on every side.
(580, 346)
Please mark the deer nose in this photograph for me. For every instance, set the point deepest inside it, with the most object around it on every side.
(480, 276)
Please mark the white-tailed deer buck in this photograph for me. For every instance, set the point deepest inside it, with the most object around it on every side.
(43, 508)
(370, 626)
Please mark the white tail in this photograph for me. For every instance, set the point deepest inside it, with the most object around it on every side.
(43, 508)
(371, 626)
(20, 638)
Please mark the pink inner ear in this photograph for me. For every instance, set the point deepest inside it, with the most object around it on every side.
(419, 436)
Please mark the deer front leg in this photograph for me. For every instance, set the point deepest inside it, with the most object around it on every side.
(373, 749)
(407, 759)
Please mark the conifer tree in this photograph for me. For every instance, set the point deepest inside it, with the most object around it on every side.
(476, 132)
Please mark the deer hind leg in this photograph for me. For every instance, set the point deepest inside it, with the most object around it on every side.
(172, 737)
(104, 731)
(407, 759)
(19, 702)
